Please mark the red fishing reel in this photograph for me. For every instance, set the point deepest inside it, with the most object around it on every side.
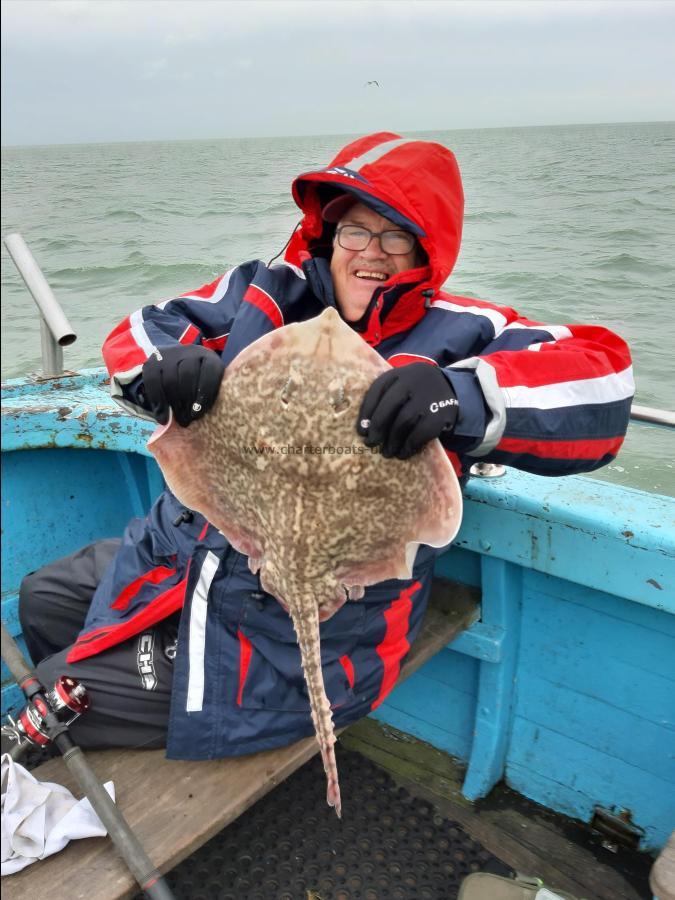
(68, 699)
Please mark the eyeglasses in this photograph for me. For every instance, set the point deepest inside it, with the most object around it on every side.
(356, 237)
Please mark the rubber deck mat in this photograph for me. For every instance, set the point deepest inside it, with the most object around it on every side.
(389, 845)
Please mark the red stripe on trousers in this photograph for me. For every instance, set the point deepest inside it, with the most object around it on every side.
(245, 651)
(258, 298)
(394, 645)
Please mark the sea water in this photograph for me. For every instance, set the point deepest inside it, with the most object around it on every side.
(566, 224)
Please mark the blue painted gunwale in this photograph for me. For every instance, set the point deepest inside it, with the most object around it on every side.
(565, 687)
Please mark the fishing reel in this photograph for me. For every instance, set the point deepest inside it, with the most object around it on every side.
(67, 700)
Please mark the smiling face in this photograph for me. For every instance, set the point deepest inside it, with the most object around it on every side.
(356, 273)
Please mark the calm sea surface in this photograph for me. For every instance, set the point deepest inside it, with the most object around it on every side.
(566, 224)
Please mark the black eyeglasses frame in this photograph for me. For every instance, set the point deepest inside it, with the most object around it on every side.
(379, 235)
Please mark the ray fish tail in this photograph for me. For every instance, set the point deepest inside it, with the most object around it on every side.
(306, 623)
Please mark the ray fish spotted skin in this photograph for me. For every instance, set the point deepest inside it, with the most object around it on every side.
(319, 526)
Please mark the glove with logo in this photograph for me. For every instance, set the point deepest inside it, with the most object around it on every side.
(184, 378)
(405, 408)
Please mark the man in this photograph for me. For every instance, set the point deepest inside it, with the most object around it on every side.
(379, 236)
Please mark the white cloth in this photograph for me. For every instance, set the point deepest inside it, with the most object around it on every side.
(39, 818)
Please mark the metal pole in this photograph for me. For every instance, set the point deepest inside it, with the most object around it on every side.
(126, 842)
(52, 353)
(57, 332)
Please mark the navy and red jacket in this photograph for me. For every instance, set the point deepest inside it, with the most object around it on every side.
(550, 399)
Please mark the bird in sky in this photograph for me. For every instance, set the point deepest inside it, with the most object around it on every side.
(372, 82)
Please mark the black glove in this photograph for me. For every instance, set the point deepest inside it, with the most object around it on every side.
(405, 408)
(185, 377)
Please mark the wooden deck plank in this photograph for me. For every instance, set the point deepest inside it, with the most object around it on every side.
(174, 807)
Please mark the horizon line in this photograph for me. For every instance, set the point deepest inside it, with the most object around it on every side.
(329, 134)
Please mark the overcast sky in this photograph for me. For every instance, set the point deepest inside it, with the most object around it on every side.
(109, 70)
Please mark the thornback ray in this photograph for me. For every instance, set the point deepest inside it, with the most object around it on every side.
(277, 466)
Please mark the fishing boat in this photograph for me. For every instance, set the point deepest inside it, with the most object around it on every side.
(560, 690)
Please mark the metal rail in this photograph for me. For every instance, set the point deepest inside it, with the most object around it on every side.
(56, 331)
(652, 415)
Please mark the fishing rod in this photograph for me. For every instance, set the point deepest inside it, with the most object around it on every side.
(46, 719)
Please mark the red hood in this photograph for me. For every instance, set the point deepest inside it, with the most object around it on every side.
(415, 183)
